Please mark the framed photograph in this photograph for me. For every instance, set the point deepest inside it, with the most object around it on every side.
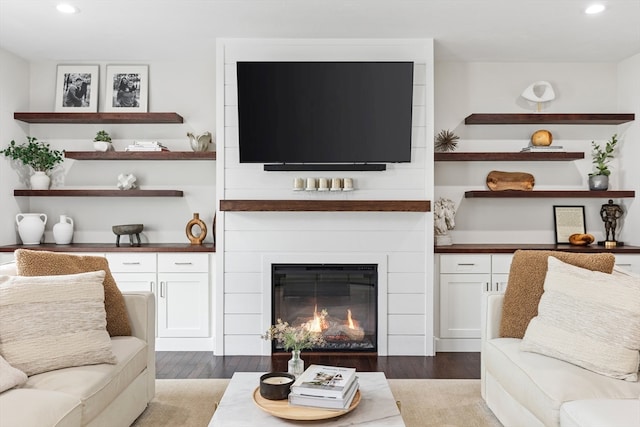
(77, 89)
(568, 220)
(127, 88)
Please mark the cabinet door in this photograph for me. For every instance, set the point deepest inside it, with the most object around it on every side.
(499, 282)
(460, 300)
(183, 305)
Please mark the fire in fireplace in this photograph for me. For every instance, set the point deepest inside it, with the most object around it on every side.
(338, 300)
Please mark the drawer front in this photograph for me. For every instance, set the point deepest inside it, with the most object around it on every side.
(186, 262)
(132, 262)
(461, 264)
(501, 263)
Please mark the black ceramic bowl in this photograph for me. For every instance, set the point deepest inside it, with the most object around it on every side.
(276, 385)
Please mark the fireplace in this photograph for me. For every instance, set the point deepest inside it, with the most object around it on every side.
(340, 300)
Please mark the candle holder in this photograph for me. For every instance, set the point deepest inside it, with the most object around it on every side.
(276, 385)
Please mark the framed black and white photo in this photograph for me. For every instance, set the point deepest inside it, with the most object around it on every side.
(127, 88)
(568, 220)
(77, 89)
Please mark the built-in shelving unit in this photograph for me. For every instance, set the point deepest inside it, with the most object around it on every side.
(549, 193)
(140, 155)
(325, 205)
(515, 156)
(549, 118)
(509, 248)
(97, 193)
(99, 118)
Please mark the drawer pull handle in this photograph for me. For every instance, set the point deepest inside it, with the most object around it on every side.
(183, 263)
(161, 289)
(132, 263)
(466, 264)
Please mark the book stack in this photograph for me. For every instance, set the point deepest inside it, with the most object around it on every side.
(543, 149)
(146, 146)
(328, 387)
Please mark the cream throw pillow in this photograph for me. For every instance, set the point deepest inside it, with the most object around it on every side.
(588, 318)
(9, 376)
(53, 322)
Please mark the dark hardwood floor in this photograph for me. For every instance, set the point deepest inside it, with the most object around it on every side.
(202, 364)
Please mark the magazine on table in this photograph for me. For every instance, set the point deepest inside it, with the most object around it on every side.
(324, 381)
(325, 402)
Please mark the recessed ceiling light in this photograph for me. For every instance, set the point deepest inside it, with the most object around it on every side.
(67, 8)
(594, 8)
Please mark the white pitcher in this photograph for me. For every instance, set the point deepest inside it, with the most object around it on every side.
(63, 231)
(31, 227)
(199, 142)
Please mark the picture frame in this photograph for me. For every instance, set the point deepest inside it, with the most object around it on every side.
(77, 88)
(127, 89)
(568, 220)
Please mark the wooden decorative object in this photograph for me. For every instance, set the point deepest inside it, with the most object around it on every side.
(500, 181)
(196, 240)
(579, 239)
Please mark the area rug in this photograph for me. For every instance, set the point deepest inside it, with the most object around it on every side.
(423, 403)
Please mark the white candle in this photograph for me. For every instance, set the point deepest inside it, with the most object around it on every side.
(348, 184)
(298, 184)
(311, 184)
(323, 184)
(277, 380)
(336, 185)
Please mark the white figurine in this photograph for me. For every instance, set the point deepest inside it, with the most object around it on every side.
(533, 93)
(126, 182)
(443, 221)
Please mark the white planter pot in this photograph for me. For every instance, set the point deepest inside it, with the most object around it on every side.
(31, 227)
(102, 146)
(40, 181)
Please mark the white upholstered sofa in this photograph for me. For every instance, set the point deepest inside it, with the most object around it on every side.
(94, 395)
(529, 389)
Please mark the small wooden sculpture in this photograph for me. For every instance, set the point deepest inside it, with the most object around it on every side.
(196, 221)
(500, 181)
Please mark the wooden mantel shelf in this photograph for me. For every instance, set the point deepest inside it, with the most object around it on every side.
(99, 118)
(325, 205)
(549, 118)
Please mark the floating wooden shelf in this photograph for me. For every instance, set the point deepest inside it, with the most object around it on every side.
(326, 205)
(516, 156)
(550, 193)
(140, 155)
(546, 118)
(98, 193)
(111, 247)
(509, 248)
(100, 118)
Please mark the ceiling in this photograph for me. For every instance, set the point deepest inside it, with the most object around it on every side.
(463, 30)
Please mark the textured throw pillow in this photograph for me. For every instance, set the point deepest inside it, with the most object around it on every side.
(44, 263)
(525, 284)
(53, 322)
(589, 319)
(10, 377)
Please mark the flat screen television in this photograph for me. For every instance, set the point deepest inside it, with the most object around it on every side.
(324, 112)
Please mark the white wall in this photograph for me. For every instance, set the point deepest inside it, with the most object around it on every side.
(401, 240)
(465, 88)
(14, 96)
(629, 100)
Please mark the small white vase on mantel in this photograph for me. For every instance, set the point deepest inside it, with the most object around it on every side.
(40, 181)
(63, 231)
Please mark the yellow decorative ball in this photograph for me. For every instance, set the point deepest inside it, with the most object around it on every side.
(541, 138)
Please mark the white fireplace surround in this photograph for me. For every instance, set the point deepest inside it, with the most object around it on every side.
(327, 258)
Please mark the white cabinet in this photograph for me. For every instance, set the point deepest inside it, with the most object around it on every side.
(181, 283)
(462, 280)
(183, 295)
(628, 262)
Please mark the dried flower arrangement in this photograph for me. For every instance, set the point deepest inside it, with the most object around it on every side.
(446, 140)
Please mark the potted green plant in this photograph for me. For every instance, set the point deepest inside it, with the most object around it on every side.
(599, 180)
(102, 141)
(38, 156)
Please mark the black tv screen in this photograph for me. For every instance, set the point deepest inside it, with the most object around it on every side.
(324, 112)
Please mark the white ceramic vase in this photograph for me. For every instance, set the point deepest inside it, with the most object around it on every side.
(40, 181)
(31, 227)
(63, 231)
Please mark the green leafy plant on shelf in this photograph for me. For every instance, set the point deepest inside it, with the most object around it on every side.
(36, 154)
(102, 135)
(602, 156)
